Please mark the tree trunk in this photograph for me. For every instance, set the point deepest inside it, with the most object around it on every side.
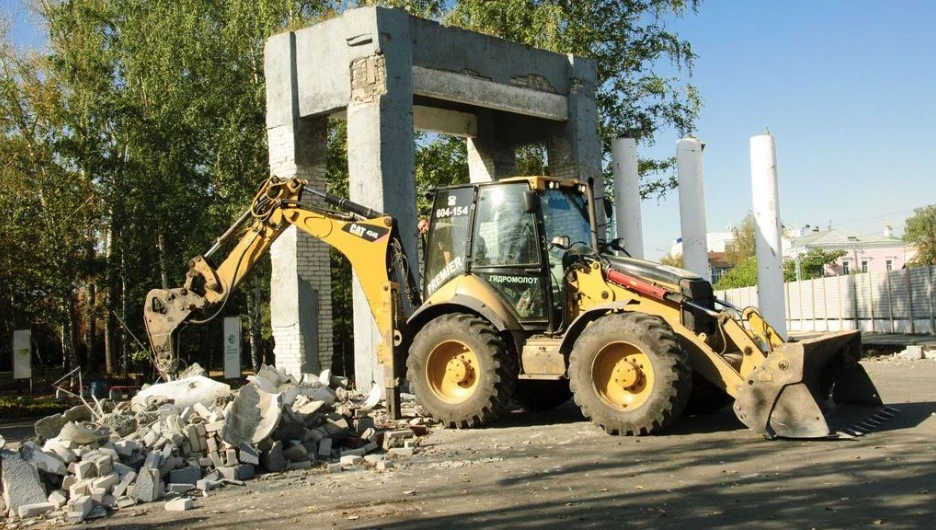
(112, 297)
(161, 246)
(124, 340)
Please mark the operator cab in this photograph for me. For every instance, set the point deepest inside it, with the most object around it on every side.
(500, 233)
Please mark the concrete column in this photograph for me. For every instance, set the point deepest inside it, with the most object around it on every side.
(692, 206)
(627, 195)
(574, 149)
(766, 196)
(300, 284)
(490, 156)
(381, 163)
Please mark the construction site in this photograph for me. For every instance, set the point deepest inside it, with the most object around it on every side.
(514, 361)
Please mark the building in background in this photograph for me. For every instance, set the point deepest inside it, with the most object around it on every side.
(864, 253)
(719, 246)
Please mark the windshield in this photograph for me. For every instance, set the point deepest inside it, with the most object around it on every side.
(565, 213)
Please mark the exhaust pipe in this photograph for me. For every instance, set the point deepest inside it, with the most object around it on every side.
(801, 384)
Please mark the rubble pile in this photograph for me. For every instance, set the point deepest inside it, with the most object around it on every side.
(181, 439)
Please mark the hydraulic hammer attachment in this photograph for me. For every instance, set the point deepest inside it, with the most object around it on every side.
(164, 312)
(801, 384)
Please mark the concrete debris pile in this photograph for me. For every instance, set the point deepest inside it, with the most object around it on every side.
(181, 439)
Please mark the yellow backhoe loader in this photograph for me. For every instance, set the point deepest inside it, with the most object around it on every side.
(520, 300)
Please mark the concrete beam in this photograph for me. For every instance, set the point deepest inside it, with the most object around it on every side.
(461, 88)
(444, 121)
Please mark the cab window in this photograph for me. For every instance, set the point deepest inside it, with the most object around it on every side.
(448, 234)
(505, 235)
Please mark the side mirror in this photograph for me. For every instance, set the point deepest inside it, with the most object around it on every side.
(530, 201)
(562, 242)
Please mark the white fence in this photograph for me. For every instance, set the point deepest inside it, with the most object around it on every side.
(881, 302)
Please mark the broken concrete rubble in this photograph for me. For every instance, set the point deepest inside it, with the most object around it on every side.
(80, 434)
(32, 510)
(121, 454)
(21, 482)
(180, 505)
(50, 426)
(254, 415)
(184, 392)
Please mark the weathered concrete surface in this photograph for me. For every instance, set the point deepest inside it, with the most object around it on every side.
(253, 417)
(382, 167)
(148, 487)
(387, 73)
(21, 483)
(556, 470)
(50, 426)
(300, 283)
(184, 392)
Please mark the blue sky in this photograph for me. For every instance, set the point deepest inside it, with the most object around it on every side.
(846, 88)
(23, 31)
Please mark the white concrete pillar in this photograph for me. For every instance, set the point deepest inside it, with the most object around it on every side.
(766, 197)
(692, 206)
(627, 195)
(381, 161)
(300, 283)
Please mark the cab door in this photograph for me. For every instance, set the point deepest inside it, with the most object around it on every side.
(446, 246)
(506, 253)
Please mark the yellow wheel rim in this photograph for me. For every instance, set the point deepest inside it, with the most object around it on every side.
(622, 375)
(452, 371)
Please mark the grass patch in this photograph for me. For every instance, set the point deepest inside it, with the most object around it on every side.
(24, 407)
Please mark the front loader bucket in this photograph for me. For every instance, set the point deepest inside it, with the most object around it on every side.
(792, 393)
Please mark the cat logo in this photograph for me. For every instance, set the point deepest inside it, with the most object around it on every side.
(366, 232)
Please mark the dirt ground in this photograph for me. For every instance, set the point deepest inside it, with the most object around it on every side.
(556, 470)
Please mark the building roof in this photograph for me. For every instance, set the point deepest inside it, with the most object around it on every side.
(836, 238)
(719, 259)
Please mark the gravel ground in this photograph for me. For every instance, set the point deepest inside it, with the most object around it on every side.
(556, 470)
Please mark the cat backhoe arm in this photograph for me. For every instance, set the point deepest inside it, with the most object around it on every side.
(366, 237)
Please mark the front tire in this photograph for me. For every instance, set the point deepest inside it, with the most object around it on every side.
(629, 375)
(461, 371)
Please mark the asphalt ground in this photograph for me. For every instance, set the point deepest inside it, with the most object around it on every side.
(556, 470)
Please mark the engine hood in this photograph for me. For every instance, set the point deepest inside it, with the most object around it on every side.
(649, 270)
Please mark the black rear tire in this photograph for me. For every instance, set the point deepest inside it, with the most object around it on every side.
(629, 374)
(538, 395)
(461, 371)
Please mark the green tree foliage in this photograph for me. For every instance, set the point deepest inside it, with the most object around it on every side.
(139, 134)
(675, 260)
(921, 232)
(742, 241)
(812, 264)
(743, 274)
(49, 209)
(440, 161)
(627, 39)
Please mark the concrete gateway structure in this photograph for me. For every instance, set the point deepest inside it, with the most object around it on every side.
(389, 74)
